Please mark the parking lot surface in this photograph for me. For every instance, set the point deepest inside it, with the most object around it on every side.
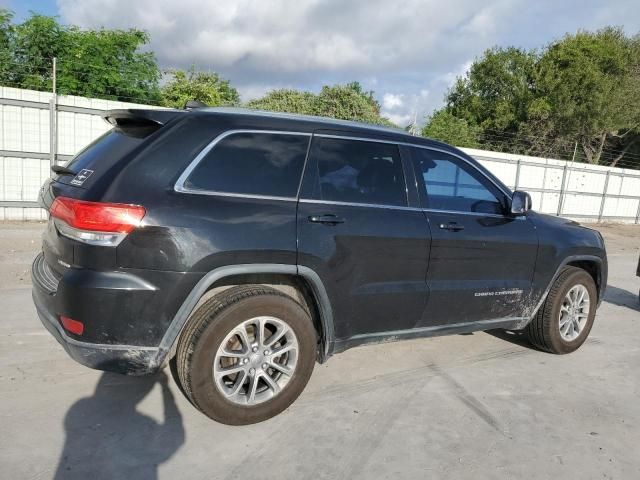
(484, 405)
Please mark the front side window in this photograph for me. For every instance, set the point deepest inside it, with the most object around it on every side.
(450, 184)
(253, 164)
(355, 171)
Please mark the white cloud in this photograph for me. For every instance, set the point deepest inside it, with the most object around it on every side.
(251, 92)
(411, 51)
(391, 101)
(399, 119)
(402, 109)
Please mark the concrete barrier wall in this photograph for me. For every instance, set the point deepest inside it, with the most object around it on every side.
(575, 190)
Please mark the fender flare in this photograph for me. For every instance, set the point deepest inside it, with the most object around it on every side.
(565, 261)
(169, 340)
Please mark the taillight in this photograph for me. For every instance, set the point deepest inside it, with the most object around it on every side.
(95, 223)
(71, 325)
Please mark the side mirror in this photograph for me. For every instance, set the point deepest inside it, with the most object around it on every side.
(520, 203)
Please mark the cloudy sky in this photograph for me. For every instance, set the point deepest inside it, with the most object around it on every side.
(408, 51)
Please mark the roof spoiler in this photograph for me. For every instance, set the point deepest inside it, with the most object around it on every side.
(158, 117)
(139, 122)
(193, 104)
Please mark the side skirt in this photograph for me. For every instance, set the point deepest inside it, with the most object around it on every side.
(515, 323)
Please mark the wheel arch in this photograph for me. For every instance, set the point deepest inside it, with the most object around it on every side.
(593, 268)
(302, 283)
(592, 264)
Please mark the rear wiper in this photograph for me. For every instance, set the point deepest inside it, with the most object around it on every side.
(60, 170)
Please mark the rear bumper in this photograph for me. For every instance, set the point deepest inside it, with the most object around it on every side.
(125, 359)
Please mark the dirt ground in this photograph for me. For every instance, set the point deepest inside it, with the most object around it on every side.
(619, 238)
(19, 244)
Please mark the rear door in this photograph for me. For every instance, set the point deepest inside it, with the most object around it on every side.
(357, 231)
(482, 258)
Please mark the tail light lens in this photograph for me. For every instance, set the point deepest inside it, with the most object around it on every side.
(71, 325)
(95, 223)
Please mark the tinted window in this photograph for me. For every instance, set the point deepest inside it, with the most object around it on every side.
(451, 184)
(358, 172)
(252, 163)
(101, 154)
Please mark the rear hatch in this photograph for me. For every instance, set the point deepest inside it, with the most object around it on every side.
(87, 174)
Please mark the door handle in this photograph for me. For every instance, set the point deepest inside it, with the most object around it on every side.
(451, 226)
(329, 219)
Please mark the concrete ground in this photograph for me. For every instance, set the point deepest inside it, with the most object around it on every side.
(461, 407)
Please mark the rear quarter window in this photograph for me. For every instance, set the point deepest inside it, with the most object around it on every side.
(252, 163)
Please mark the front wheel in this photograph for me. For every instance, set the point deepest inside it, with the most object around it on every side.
(563, 322)
(246, 355)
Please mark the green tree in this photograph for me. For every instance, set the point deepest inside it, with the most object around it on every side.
(368, 95)
(583, 89)
(285, 100)
(496, 91)
(591, 80)
(495, 97)
(345, 102)
(107, 63)
(446, 127)
(95, 63)
(207, 88)
(5, 46)
(349, 102)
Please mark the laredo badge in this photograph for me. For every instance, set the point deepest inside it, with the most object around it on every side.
(80, 178)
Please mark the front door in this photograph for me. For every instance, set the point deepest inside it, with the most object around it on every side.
(358, 233)
(482, 258)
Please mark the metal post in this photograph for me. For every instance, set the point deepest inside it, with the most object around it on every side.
(604, 195)
(515, 187)
(53, 76)
(53, 120)
(638, 214)
(562, 190)
(565, 179)
(544, 186)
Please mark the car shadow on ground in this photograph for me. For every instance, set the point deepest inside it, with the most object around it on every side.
(107, 437)
(513, 336)
(622, 298)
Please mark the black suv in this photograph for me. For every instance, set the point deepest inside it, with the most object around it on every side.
(239, 247)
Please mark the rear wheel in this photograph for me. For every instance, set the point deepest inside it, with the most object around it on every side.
(246, 355)
(564, 320)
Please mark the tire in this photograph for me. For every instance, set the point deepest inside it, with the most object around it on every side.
(544, 331)
(201, 363)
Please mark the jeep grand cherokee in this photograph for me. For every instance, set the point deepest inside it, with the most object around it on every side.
(241, 247)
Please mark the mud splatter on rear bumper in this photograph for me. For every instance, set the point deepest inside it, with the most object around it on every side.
(125, 359)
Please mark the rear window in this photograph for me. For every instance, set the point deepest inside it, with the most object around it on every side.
(356, 171)
(99, 155)
(267, 164)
